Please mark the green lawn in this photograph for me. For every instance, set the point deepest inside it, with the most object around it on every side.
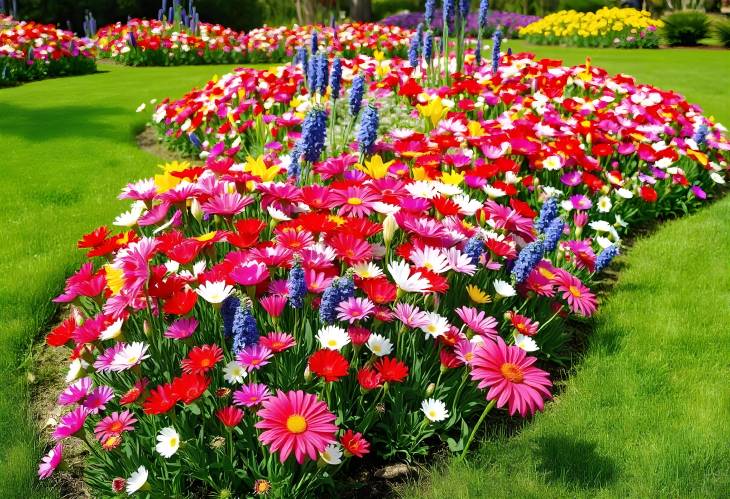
(646, 412)
(68, 146)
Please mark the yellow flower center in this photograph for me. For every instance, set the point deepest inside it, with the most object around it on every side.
(354, 201)
(296, 424)
(205, 363)
(332, 343)
(574, 291)
(173, 442)
(512, 372)
(432, 328)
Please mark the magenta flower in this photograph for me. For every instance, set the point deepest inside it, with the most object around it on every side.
(71, 423)
(104, 360)
(226, 204)
(478, 321)
(250, 273)
(50, 461)
(273, 304)
(411, 316)
(581, 202)
(296, 422)
(97, 400)
(354, 309)
(254, 357)
(277, 342)
(114, 424)
(584, 257)
(464, 350)
(579, 298)
(511, 377)
(181, 329)
(251, 394)
(75, 391)
(355, 201)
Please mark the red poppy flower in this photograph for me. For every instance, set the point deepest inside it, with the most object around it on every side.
(648, 194)
(380, 290)
(202, 358)
(95, 238)
(329, 364)
(181, 302)
(189, 387)
(354, 443)
(391, 369)
(160, 400)
(369, 378)
(61, 334)
(229, 416)
(247, 232)
(449, 360)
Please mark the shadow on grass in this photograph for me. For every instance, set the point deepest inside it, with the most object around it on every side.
(575, 462)
(53, 122)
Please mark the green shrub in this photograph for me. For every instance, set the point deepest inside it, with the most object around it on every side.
(385, 8)
(582, 5)
(722, 28)
(686, 28)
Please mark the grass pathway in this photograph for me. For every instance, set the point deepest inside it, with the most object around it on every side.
(68, 146)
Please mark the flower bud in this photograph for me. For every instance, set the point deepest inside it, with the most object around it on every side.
(195, 210)
(430, 389)
(389, 228)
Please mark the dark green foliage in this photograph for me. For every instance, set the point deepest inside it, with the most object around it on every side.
(385, 8)
(686, 28)
(722, 29)
(582, 5)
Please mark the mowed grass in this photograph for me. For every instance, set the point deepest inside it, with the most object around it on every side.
(67, 147)
(645, 414)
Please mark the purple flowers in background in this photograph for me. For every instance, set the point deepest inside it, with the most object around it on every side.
(509, 21)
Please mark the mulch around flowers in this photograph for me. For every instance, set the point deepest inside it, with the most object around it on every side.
(149, 141)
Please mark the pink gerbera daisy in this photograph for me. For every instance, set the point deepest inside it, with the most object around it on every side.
(478, 321)
(411, 316)
(250, 273)
(226, 204)
(511, 377)
(356, 201)
(181, 329)
(50, 462)
(254, 357)
(584, 257)
(114, 424)
(104, 361)
(273, 304)
(579, 298)
(251, 394)
(75, 391)
(354, 309)
(296, 422)
(97, 400)
(464, 350)
(277, 342)
(71, 423)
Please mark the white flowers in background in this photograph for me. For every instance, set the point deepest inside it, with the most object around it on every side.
(552, 163)
(129, 218)
(625, 193)
(526, 343)
(129, 356)
(435, 326)
(214, 292)
(137, 480)
(401, 273)
(332, 454)
(434, 410)
(234, 373)
(604, 204)
(367, 270)
(504, 289)
(379, 345)
(112, 330)
(717, 178)
(168, 442)
(333, 337)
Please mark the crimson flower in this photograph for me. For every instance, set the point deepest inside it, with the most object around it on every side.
(202, 358)
(354, 443)
(161, 399)
(189, 387)
(329, 364)
(229, 416)
(391, 369)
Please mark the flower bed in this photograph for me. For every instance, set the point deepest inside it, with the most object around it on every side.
(607, 27)
(159, 43)
(509, 22)
(32, 51)
(371, 256)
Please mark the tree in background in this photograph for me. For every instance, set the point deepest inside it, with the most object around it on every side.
(361, 10)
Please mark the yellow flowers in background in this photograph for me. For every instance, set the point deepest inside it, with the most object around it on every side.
(607, 27)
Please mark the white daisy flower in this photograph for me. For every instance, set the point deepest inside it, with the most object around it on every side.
(129, 356)
(604, 204)
(526, 343)
(625, 193)
(76, 369)
(332, 454)
(435, 410)
(214, 292)
(168, 442)
(137, 480)
(112, 330)
(333, 337)
(552, 163)
(401, 273)
(504, 289)
(436, 326)
(234, 373)
(379, 345)
(129, 218)
(717, 178)
(367, 270)
(430, 258)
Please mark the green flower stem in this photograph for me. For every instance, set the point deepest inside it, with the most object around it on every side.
(474, 430)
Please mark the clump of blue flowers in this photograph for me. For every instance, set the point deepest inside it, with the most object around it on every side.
(245, 330)
(296, 285)
(474, 248)
(336, 78)
(527, 260)
(496, 48)
(357, 90)
(314, 133)
(605, 257)
(368, 131)
(548, 212)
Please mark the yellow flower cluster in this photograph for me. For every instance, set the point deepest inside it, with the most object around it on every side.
(604, 22)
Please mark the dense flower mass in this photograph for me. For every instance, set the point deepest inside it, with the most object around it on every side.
(335, 277)
(509, 22)
(607, 27)
(143, 42)
(32, 51)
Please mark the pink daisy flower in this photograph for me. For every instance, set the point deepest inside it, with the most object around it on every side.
(464, 350)
(277, 342)
(75, 391)
(317, 282)
(273, 304)
(104, 360)
(251, 394)
(579, 298)
(226, 204)
(478, 321)
(278, 287)
(50, 461)
(71, 423)
(181, 329)
(356, 201)
(584, 257)
(114, 424)
(250, 273)
(354, 309)
(511, 377)
(97, 400)
(296, 422)
(411, 316)
(254, 357)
